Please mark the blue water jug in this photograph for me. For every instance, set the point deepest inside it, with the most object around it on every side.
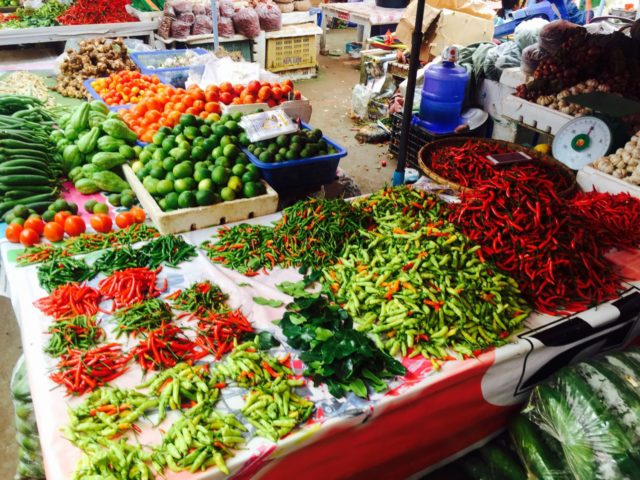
(443, 93)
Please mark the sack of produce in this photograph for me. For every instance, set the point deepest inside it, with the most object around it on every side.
(187, 17)
(180, 30)
(302, 5)
(504, 56)
(182, 6)
(225, 27)
(584, 422)
(227, 9)
(270, 17)
(202, 26)
(286, 7)
(552, 35)
(527, 32)
(284, 2)
(199, 9)
(164, 30)
(531, 57)
(246, 22)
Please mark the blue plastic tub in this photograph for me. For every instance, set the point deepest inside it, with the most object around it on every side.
(148, 63)
(87, 84)
(302, 173)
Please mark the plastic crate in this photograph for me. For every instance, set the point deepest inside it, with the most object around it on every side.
(290, 53)
(87, 84)
(303, 173)
(148, 63)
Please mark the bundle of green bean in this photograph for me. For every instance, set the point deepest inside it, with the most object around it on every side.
(201, 438)
(114, 460)
(61, 271)
(419, 286)
(119, 258)
(170, 250)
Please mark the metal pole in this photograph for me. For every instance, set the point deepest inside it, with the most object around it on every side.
(414, 61)
(214, 15)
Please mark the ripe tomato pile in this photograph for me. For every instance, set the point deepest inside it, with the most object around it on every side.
(126, 87)
(163, 107)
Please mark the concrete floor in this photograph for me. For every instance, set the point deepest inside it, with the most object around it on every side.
(330, 95)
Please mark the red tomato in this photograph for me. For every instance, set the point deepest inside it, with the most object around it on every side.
(35, 224)
(138, 214)
(226, 87)
(297, 95)
(277, 93)
(29, 237)
(124, 219)
(13, 232)
(54, 232)
(226, 98)
(253, 87)
(288, 83)
(74, 225)
(60, 217)
(101, 222)
(264, 93)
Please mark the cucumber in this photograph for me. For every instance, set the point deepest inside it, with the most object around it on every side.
(25, 180)
(615, 394)
(594, 424)
(502, 463)
(474, 466)
(35, 202)
(541, 463)
(16, 194)
(26, 162)
(20, 171)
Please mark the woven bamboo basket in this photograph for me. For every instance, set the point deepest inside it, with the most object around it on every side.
(424, 161)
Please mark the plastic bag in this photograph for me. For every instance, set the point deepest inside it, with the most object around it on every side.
(479, 56)
(552, 35)
(202, 26)
(180, 29)
(187, 17)
(182, 6)
(199, 10)
(302, 5)
(504, 56)
(531, 57)
(270, 17)
(286, 7)
(584, 423)
(226, 8)
(225, 27)
(527, 32)
(246, 22)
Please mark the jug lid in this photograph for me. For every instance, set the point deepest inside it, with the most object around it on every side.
(450, 54)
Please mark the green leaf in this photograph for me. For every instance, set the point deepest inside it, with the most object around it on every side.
(266, 341)
(268, 302)
(244, 284)
(295, 289)
(358, 387)
(296, 318)
(323, 334)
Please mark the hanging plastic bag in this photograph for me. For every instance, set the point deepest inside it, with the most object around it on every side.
(225, 27)
(226, 8)
(270, 17)
(553, 35)
(202, 26)
(180, 30)
(247, 23)
(504, 56)
(531, 57)
(527, 32)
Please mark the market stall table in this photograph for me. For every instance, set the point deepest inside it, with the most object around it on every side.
(361, 14)
(425, 417)
(71, 32)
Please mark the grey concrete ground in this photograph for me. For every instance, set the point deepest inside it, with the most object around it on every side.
(330, 95)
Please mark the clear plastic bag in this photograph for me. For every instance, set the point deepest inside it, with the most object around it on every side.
(202, 26)
(531, 57)
(199, 10)
(584, 423)
(552, 35)
(225, 27)
(286, 7)
(180, 30)
(247, 23)
(504, 56)
(527, 32)
(226, 8)
(270, 17)
(302, 5)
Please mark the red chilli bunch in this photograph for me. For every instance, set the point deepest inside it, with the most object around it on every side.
(538, 238)
(83, 371)
(220, 332)
(69, 301)
(89, 12)
(165, 346)
(131, 285)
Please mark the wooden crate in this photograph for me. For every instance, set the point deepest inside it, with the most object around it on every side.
(186, 219)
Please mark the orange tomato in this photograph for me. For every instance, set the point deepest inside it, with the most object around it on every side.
(197, 94)
(146, 137)
(288, 83)
(249, 99)
(264, 93)
(237, 88)
(204, 114)
(180, 107)
(226, 98)
(276, 93)
(271, 102)
(13, 232)
(35, 224)
(174, 116)
(138, 214)
(61, 217)
(29, 237)
(101, 222)
(124, 219)
(209, 107)
(253, 87)
(226, 87)
(198, 105)
(74, 225)
(188, 101)
(297, 95)
(54, 232)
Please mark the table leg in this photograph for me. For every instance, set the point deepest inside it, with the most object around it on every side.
(366, 34)
(323, 37)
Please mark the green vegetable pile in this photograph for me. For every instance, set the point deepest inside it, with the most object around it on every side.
(93, 143)
(45, 16)
(296, 146)
(198, 163)
(418, 286)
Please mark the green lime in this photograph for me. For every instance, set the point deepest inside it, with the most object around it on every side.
(128, 201)
(206, 184)
(183, 170)
(181, 185)
(292, 155)
(158, 138)
(198, 166)
(250, 176)
(177, 129)
(89, 204)
(170, 176)
(182, 155)
(143, 172)
(238, 170)
(244, 139)
(158, 173)
(221, 130)
(235, 184)
(8, 218)
(58, 206)
(282, 141)
(164, 187)
(191, 133)
(48, 215)
(204, 197)
(101, 208)
(158, 155)
(200, 174)
(136, 166)
(242, 158)
(220, 175)
(250, 189)
(205, 131)
(188, 120)
(265, 157)
(226, 140)
(223, 162)
(171, 200)
(227, 194)
(209, 144)
(282, 151)
(18, 220)
(225, 118)
(190, 183)
(165, 130)
(72, 207)
(149, 183)
(252, 168)
(279, 157)
(231, 152)
(296, 148)
(198, 153)
(217, 152)
(162, 203)
(114, 198)
(236, 116)
(145, 155)
(273, 148)
(305, 153)
(187, 199)
(168, 163)
(169, 143)
(251, 148)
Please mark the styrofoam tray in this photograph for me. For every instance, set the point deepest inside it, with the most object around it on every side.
(589, 177)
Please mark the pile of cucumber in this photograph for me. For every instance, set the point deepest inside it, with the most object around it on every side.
(29, 170)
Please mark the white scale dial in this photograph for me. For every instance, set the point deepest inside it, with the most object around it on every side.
(582, 141)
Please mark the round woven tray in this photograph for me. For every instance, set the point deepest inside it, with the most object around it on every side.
(424, 157)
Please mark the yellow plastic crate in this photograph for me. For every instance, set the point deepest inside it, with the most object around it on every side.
(290, 53)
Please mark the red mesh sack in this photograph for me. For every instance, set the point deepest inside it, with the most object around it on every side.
(270, 17)
(203, 25)
(246, 22)
(226, 8)
(180, 29)
(225, 27)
